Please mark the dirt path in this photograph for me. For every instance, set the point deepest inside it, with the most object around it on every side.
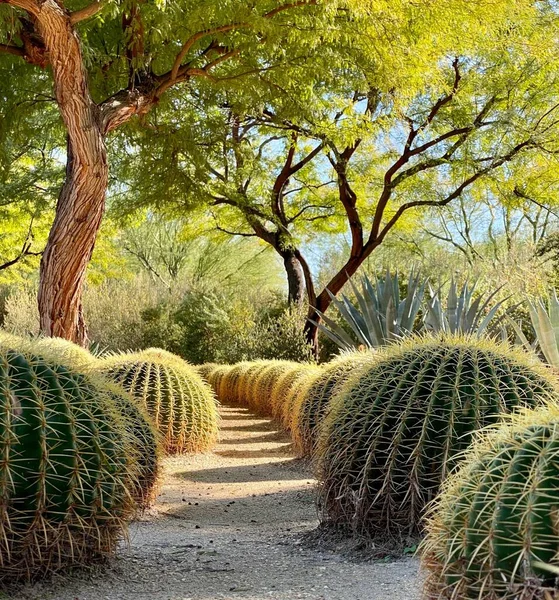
(227, 525)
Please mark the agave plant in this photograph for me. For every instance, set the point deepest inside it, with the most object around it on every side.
(545, 321)
(380, 316)
(462, 314)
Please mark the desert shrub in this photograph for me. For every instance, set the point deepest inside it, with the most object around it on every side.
(394, 430)
(21, 314)
(493, 531)
(67, 471)
(315, 395)
(180, 403)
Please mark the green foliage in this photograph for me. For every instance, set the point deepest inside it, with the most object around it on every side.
(68, 467)
(492, 532)
(179, 402)
(215, 327)
(395, 429)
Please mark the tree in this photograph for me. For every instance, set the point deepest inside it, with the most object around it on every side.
(129, 58)
(122, 62)
(392, 155)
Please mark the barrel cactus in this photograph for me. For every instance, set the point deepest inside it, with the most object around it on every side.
(314, 397)
(67, 351)
(67, 467)
(262, 388)
(181, 405)
(492, 533)
(216, 378)
(145, 442)
(394, 430)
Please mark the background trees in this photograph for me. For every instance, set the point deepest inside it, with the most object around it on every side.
(294, 135)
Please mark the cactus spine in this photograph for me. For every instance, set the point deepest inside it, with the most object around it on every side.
(177, 399)
(313, 399)
(66, 470)
(395, 429)
(493, 531)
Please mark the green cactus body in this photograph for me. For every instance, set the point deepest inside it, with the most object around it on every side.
(395, 429)
(66, 470)
(493, 532)
(145, 441)
(179, 402)
(313, 400)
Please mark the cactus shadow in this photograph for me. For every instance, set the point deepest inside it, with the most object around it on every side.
(242, 473)
(260, 453)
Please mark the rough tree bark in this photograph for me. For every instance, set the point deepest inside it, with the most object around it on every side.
(82, 198)
(295, 278)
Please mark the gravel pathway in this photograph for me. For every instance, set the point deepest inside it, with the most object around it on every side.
(228, 525)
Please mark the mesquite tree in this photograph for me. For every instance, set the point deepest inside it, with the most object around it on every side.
(109, 62)
(364, 160)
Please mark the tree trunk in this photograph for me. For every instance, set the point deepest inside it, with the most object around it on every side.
(323, 300)
(70, 244)
(295, 278)
(82, 199)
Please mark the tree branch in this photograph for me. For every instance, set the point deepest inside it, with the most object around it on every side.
(14, 50)
(89, 11)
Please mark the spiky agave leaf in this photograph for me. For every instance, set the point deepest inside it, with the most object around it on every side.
(461, 316)
(492, 533)
(68, 463)
(381, 316)
(181, 405)
(394, 430)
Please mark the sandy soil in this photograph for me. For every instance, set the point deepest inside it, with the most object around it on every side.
(229, 525)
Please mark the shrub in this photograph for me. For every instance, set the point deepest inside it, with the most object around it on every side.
(180, 403)
(493, 531)
(68, 465)
(395, 429)
(314, 397)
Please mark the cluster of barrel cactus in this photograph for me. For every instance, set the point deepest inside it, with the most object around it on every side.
(80, 453)
(395, 430)
(267, 387)
(179, 402)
